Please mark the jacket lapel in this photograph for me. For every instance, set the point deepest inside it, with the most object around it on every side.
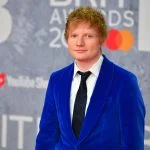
(64, 101)
(98, 98)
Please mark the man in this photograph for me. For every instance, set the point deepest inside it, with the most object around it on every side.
(91, 104)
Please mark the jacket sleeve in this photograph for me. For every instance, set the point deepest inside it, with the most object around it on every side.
(132, 116)
(49, 129)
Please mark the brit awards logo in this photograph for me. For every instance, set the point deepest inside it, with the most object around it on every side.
(117, 16)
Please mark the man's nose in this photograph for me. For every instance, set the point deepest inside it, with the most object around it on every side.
(80, 41)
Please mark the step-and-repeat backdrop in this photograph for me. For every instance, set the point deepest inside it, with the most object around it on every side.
(32, 46)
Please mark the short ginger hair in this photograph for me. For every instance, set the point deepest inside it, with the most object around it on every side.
(87, 15)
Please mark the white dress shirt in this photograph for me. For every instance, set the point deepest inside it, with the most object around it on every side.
(90, 82)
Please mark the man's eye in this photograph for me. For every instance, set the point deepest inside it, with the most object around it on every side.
(73, 35)
(88, 36)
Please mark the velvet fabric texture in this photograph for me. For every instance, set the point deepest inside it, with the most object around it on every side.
(114, 119)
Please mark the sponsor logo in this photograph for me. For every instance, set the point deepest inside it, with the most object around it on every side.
(2, 79)
(119, 40)
(23, 81)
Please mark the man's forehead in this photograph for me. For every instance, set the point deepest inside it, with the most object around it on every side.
(76, 23)
(85, 25)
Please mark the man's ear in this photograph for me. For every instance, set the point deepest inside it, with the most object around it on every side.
(102, 41)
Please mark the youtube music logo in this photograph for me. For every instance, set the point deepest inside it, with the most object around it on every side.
(2, 79)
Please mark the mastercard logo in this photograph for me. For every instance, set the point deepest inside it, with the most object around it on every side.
(122, 40)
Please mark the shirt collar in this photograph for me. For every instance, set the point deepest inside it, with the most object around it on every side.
(94, 69)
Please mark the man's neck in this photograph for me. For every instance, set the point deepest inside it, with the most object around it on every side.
(86, 65)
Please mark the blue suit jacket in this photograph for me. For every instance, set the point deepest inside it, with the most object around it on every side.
(114, 119)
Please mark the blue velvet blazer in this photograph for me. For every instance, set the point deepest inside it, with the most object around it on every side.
(114, 119)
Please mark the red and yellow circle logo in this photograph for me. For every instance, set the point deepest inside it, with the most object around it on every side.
(119, 40)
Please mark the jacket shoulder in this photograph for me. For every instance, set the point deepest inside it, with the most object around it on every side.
(123, 74)
(63, 70)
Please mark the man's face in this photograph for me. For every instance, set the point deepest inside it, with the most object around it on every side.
(84, 43)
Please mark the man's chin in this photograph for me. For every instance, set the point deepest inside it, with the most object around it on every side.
(81, 59)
